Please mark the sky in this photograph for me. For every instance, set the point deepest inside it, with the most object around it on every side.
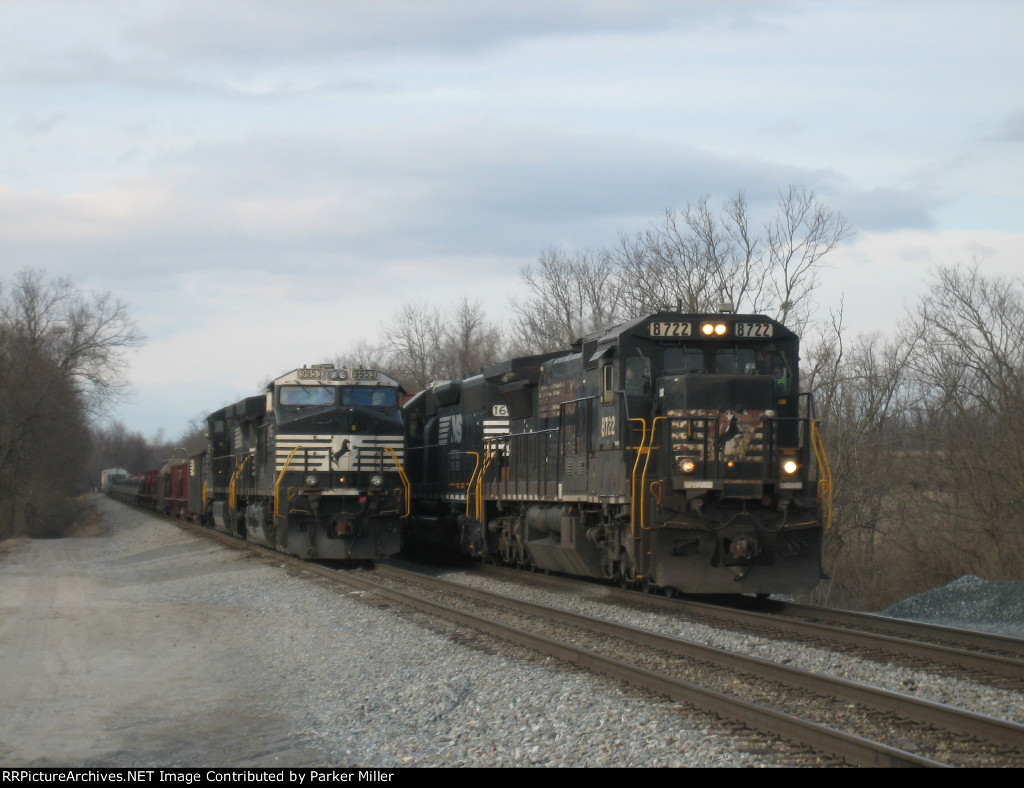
(265, 183)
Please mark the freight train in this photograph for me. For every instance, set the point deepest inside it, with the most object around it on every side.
(311, 467)
(673, 452)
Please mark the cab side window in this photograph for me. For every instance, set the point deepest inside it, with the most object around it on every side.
(638, 377)
(608, 384)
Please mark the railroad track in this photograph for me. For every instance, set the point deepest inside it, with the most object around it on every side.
(923, 732)
(985, 658)
(804, 718)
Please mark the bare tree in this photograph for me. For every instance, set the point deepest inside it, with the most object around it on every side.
(363, 355)
(924, 432)
(571, 295)
(696, 258)
(802, 231)
(60, 362)
(469, 341)
(970, 369)
(412, 342)
(865, 405)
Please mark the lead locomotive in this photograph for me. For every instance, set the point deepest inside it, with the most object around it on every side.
(673, 451)
(312, 467)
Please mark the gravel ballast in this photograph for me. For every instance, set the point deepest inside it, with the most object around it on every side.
(151, 647)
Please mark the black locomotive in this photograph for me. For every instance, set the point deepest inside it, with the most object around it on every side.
(673, 451)
(312, 467)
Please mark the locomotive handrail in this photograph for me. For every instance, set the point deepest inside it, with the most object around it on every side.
(522, 447)
(633, 475)
(233, 484)
(643, 477)
(280, 477)
(472, 478)
(493, 451)
(406, 484)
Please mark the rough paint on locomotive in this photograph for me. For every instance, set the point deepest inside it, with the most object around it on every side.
(313, 467)
(672, 451)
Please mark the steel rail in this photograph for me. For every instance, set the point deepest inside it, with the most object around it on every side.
(994, 664)
(861, 752)
(964, 638)
(927, 712)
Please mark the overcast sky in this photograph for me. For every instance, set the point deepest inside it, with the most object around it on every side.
(265, 182)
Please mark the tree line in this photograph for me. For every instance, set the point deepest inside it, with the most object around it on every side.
(694, 259)
(60, 366)
(926, 437)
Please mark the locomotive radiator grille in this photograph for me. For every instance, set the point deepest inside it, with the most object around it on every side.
(339, 453)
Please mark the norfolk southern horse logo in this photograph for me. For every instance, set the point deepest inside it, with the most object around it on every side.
(341, 452)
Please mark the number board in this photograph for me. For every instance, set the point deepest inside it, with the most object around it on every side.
(311, 374)
(669, 329)
(754, 330)
(364, 374)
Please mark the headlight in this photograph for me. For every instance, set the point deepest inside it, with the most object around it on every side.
(687, 466)
(377, 480)
(714, 329)
(311, 480)
(789, 467)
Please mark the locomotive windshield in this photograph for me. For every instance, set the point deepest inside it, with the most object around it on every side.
(679, 359)
(304, 396)
(375, 396)
(731, 360)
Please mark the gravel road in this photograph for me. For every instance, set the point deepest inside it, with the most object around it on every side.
(149, 647)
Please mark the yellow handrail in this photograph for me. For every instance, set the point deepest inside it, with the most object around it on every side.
(643, 478)
(233, 484)
(472, 478)
(406, 484)
(825, 488)
(280, 476)
(634, 508)
(492, 452)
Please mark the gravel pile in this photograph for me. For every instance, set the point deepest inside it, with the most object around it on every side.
(970, 603)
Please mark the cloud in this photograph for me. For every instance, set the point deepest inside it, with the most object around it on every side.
(315, 198)
(1013, 127)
